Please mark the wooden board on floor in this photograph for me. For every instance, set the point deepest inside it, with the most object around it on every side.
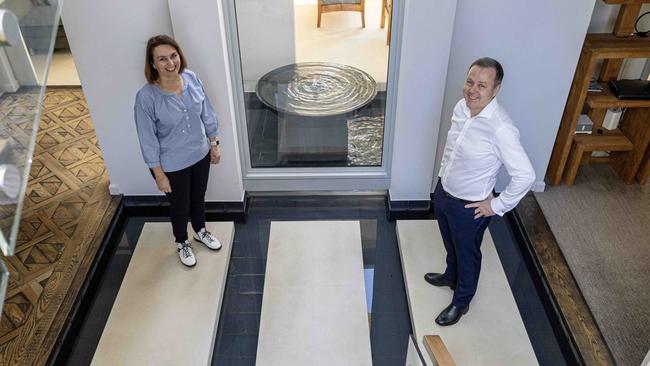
(314, 307)
(166, 313)
(492, 332)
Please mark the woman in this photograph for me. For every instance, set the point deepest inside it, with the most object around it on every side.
(177, 129)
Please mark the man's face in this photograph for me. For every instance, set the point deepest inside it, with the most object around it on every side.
(479, 88)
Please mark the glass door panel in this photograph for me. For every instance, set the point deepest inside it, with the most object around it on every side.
(314, 77)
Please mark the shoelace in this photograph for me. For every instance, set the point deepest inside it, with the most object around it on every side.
(206, 234)
(187, 250)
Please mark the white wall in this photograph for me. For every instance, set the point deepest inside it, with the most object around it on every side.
(644, 24)
(108, 41)
(538, 44)
(426, 39)
(266, 37)
(633, 68)
(603, 17)
(208, 55)
(603, 20)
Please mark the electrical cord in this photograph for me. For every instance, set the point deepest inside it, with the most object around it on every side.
(638, 33)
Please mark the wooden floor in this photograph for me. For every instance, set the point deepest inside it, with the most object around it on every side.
(589, 341)
(67, 211)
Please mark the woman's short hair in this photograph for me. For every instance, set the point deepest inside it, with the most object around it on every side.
(490, 63)
(149, 71)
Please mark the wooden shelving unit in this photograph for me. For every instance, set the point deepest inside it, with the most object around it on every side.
(606, 99)
(613, 49)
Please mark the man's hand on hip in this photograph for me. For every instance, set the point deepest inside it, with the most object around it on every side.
(482, 208)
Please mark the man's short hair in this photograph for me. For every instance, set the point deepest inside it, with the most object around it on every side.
(487, 62)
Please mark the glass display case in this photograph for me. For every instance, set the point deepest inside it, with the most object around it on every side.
(27, 32)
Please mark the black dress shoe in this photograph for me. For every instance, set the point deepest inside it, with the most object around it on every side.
(451, 315)
(438, 279)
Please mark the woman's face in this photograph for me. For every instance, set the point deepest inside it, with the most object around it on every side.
(166, 60)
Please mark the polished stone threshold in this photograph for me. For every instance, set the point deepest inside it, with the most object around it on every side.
(314, 308)
(166, 313)
(492, 332)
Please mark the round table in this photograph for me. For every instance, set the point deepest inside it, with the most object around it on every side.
(314, 101)
(316, 89)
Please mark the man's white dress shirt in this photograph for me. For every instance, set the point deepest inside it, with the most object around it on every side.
(475, 150)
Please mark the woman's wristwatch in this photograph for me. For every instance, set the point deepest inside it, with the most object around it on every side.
(214, 142)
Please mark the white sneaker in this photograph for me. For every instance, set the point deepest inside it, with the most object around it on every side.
(186, 254)
(205, 237)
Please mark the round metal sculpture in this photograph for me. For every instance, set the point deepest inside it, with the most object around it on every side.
(316, 89)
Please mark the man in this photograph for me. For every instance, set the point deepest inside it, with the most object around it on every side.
(482, 137)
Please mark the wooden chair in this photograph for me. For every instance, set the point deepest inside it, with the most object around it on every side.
(328, 6)
(387, 14)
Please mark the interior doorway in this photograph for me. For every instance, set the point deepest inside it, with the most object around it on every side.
(314, 97)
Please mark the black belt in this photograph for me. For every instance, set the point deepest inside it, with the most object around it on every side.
(456, 198)
(450, 196)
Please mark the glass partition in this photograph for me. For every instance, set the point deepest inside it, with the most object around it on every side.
(314, 76)
(27, 33)
(4, 279)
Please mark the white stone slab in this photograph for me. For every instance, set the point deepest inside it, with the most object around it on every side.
(314, 305)
(492, 332)
(166, 313)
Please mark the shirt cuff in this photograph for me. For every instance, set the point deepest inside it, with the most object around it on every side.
(211, 135)
(497, 206)
(153, 164)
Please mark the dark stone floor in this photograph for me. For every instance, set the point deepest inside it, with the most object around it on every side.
(263, 135)
(236, 342)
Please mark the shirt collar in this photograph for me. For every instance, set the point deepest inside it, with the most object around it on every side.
(486, 112)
